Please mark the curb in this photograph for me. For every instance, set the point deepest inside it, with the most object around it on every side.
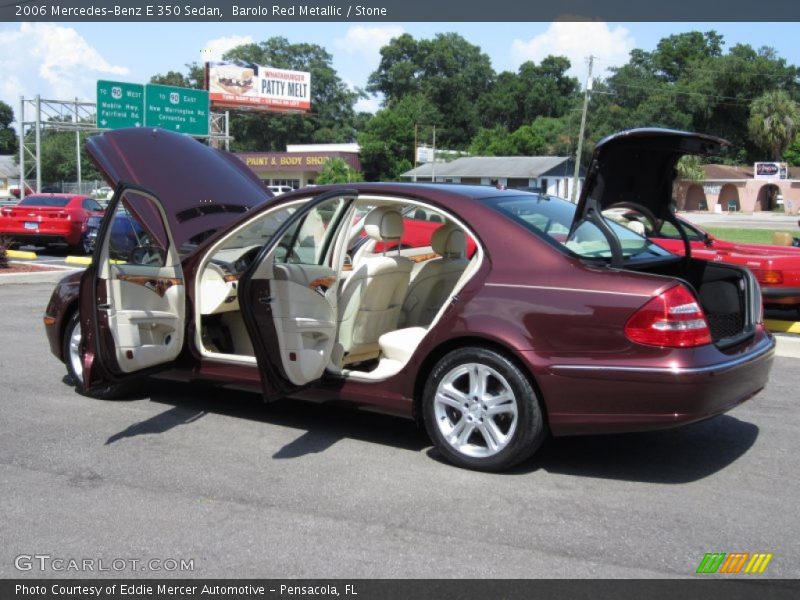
(776, 326)
(21, 254)
(787, 345)
(78, 260)
(54, 276)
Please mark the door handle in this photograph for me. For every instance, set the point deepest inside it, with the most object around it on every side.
(265, 299)
(104, 306)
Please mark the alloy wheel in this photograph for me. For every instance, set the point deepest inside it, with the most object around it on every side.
(476, 410)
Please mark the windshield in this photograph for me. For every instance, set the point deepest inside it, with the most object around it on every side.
(57, 201)
(551, 217)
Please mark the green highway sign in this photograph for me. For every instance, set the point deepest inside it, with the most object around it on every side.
(119, 104)
(184, 110)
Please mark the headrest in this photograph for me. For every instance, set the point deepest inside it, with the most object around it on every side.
(384, 223)
(449, 241)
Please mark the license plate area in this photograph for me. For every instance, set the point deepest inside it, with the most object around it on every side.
(33, 225)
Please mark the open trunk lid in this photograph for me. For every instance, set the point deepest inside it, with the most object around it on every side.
(637, 168)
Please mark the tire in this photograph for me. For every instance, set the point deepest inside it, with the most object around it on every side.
(72, 353)
(83, 247)
(481, 411)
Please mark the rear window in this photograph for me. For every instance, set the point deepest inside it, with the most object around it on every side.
(550, 218)
(56, 201)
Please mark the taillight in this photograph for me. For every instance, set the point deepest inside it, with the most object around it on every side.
(673, 319)
(768, 276)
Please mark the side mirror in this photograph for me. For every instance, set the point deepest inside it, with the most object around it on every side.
(151, 256)
(708, 240)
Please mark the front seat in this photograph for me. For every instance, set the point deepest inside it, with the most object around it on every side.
(434, 282)
(373, 294)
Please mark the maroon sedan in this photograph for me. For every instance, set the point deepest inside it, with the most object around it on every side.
(51, 219)
(562, 322)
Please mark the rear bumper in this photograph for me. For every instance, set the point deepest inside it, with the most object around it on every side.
(61, 232)
(589, 399)
(784, 296)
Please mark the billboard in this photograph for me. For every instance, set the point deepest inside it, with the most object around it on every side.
(770, 170)
(245, 85)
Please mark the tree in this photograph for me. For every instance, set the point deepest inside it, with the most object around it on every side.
(690, 168)
(792, 153)
(387, 143)
(337, 170)
(773, 123)
(59, 162)
(8, 137)
(448, 71)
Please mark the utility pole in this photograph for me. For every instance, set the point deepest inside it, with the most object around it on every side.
(415, 151)
(587, 89)
(433, 164)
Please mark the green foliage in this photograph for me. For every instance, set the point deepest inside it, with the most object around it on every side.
(544, 137)
(337, 170)
(387, 143)
(774, 120)
(690, 168)
(689, 82)
(59, 162)
(8, 137)
(447, 71)
(792, 153)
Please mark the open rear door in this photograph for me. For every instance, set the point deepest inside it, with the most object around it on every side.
(288, 296)
(133, 295)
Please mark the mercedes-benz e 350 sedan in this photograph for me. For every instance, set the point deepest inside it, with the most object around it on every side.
(560, 322)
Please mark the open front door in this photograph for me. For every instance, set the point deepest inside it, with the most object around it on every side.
(289, 294)
(133, 294)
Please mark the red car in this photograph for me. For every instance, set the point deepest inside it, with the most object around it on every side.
(777, 268)
(561, 323)
(43, 219)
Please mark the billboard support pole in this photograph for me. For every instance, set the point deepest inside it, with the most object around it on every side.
(21, 121)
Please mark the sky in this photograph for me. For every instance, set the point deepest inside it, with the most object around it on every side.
(62, 61)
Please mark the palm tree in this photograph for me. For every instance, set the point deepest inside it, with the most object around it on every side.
(774, 121)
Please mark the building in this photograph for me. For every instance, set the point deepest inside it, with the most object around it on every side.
(9, 173)
(552, 174)
(300, 165)
(734, 188)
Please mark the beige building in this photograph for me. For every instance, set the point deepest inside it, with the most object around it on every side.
(727, 188)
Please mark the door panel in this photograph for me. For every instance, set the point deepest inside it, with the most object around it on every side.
(146, 315)
(289, 294)
(304, 309)
(138, 307)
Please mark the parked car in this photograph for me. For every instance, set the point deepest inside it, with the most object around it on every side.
(777, 268)
(14, 190)
(45, 219)
(562, 322)
(280, 189)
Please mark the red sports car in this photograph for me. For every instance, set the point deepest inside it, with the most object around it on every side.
(51, 219)
(562, 322)
(777, 268)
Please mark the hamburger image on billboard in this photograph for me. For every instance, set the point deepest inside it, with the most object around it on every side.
(242, 85)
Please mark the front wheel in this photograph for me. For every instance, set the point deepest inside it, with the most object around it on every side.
(481, 411)
(73, 357)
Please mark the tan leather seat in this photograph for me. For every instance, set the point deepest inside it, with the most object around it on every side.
(373, 294)
(434, 282)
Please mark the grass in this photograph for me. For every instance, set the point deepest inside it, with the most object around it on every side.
(753, 236)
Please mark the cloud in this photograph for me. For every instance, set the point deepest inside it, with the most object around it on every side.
(367, 41)
(576, 41)
(219, 46)
(53, 61)
(372, 104)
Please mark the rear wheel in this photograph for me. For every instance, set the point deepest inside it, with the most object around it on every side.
(73, 357)
(481, 410)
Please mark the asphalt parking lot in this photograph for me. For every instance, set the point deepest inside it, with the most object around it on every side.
(298, 490)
